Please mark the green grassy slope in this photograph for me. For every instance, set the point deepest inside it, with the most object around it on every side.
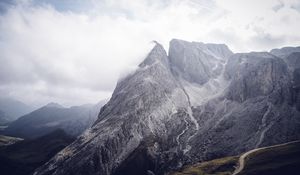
(222, 166)
(281, 160)
(275, 160)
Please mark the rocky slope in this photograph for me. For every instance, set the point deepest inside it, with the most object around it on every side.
(73, 120)
(198, 102)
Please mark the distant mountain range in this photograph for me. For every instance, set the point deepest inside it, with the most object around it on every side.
(11, 109)
(73, 120)
(3, 118)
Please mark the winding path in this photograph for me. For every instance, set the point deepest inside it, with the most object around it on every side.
(243, 156)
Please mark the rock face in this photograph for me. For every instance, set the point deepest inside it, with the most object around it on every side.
(197, 103)
(293, 62)
(197, 62)
(285, 51)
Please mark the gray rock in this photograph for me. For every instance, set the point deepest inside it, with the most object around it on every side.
(257, 74)
(285, 51)
(197, 103)
(197, 62)
(293, 62)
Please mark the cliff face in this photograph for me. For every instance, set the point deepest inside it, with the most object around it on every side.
(197, 62)
(199, 102)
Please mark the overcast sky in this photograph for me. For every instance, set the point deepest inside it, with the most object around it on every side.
(73, 51)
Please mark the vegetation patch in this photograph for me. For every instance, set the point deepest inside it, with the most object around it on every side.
(222, 166)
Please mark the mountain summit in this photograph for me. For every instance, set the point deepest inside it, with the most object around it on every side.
(54, 105)
(199, 102)
(73, 120)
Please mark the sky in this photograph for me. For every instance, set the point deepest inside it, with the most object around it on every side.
(74, 51)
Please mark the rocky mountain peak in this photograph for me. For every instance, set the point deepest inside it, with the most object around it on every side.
(53, 105)
(197, 103)
(157, 55)
(197, 62)
(220, 51)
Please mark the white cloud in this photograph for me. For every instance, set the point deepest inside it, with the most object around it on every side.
(52, 52)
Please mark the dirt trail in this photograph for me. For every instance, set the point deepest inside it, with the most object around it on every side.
(243, 156)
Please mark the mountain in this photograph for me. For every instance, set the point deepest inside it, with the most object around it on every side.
(54, 105)
(3, 118)
(196, 103)
(73, 120)
(285, 51)
(24, 156)
(272, 160)
(12, 109)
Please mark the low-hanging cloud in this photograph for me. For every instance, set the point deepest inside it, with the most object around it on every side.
(73, 52)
